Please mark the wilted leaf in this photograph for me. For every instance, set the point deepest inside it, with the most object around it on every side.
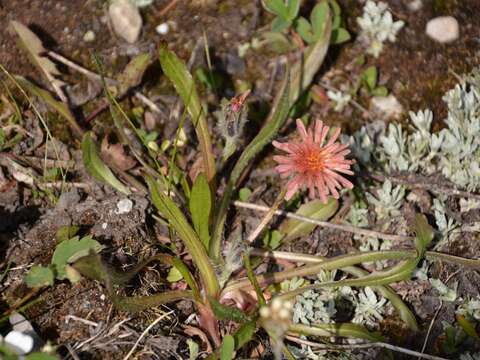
(227, 348)
(114, 154)
(314, 209)
(95, 166)
(58, 106)
(39, 276)
(200, 205)
(32, 44)
(70, 250)
(133, 72)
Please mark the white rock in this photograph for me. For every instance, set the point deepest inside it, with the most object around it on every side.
(162, 29)
(126, 19)
(21, 342)
(124, 206)
(443, 29)
(89, 36)
(387, 106)
(415, 5)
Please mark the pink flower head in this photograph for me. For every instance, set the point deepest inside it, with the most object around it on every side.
(312, 164)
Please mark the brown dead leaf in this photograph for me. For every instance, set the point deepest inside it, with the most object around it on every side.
(193, 331)
(114, 154)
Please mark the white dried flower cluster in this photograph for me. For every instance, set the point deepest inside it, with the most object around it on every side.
(468, 356)
(444, 292)
(377, 27)
(369, 308)
(388, 201)
(470, 308)
(339, 98)
(454, 151)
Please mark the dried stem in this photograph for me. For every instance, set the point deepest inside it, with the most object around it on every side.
(347, 228)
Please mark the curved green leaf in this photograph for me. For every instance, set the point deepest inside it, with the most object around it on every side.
(338, 329)
(227, 348)
(96, 167)
(182, 80)
(277, 118)
(200, 206)
(315, 209)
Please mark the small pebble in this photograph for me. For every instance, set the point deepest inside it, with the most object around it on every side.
(124, 206)
(89, 36)
(387, 106)
(22, 343)
(104, 226)
(443, 29)
(162, 29)
(126, 20)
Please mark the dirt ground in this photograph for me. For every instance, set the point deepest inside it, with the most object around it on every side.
(79, 317)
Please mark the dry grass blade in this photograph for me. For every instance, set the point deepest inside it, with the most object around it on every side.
(33, 45)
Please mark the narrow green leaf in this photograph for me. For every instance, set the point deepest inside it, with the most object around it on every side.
(92, 267)
(223, 312)
(200, 206)
(245, 333)
(315, 209)
(96, 167)
(133, 72)
(253, 280)
(183, 269)
(70, 250)
(340, 35)
(305, 69)
(172, 213)
(369, 76)
(39, 276)
(318, 18)
(424, 234)
(338, 329)
(277, 118)
(228, 347)
(467, 326)
(182, 80)
(40, 356)
(58, 106)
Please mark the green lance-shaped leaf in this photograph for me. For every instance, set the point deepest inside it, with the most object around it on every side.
(339, 329)
(306, 68)
(340, 35)
(200, 205)
(315, 209)
(276, 120)
(96, 167)
(56, 105)
(93, 267)
(182, 80)
(227, 348)
(177, 220)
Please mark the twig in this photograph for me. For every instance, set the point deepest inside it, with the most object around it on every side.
(426, 186)
(363, 346)
(430, 328)
(351, 101)
(347, 228)
(96, 77)
(149, 327)
(268, 216)
(167, 8)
